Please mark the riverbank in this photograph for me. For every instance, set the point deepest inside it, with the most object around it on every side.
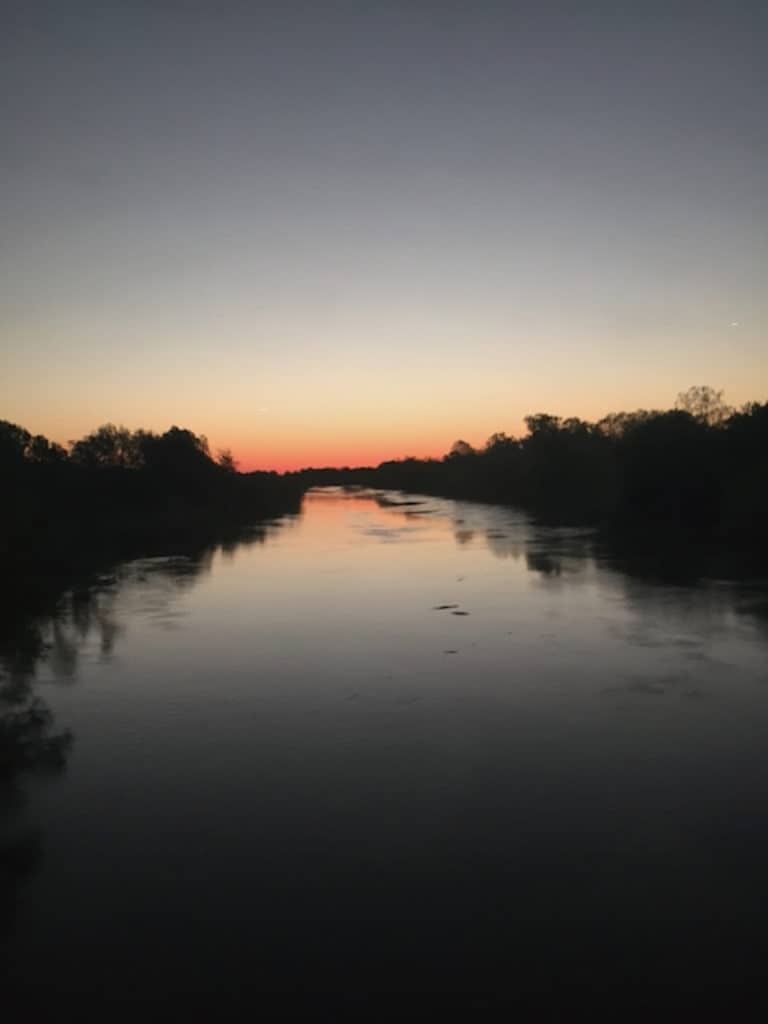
(59, 523)
(694, 475)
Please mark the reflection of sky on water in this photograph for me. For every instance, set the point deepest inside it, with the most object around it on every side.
(365, 560)
(305, 728)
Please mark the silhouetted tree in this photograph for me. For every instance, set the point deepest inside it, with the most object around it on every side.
(178, 451)
(123, 491)
(616, 424)
(499, 443)
(704, 404)
(460, 450)
(45, 452)
(542, 424)
(14, 443)
(108, 447)
(226, 460)
(669, 471)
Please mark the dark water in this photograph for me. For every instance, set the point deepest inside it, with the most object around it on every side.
(293, 772)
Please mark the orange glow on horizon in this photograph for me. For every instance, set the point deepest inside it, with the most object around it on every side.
(339, 450)
(359, 433)
(328, 457)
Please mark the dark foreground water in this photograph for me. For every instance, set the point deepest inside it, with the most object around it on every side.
(392, 756)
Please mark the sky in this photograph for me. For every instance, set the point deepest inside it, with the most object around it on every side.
(331, 233)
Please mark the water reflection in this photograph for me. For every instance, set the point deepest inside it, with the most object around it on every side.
(547, 565)
(417, 746)
(645, 569)
(503, 545)
(50, 638)
(29, 744)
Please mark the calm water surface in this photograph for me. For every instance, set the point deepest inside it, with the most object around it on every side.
(294, 771)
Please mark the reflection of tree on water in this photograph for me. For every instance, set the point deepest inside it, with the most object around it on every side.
(555, 554)
(543, 563)
(681, 581)
(29, 744)
(26, 737)
(464, 536)
(503, 545)
(55, 632)
(53, 635)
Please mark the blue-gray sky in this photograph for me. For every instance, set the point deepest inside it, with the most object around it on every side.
(338, 232)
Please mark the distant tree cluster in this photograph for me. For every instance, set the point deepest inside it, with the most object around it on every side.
(110, 447)
(120, 489)
(119, 448)
(17, 446)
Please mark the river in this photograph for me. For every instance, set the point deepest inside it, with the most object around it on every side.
(393, 749)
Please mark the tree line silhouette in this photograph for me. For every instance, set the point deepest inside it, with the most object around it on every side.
(700, 468)
(118, 493)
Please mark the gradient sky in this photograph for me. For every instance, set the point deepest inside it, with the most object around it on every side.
(337, 232)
